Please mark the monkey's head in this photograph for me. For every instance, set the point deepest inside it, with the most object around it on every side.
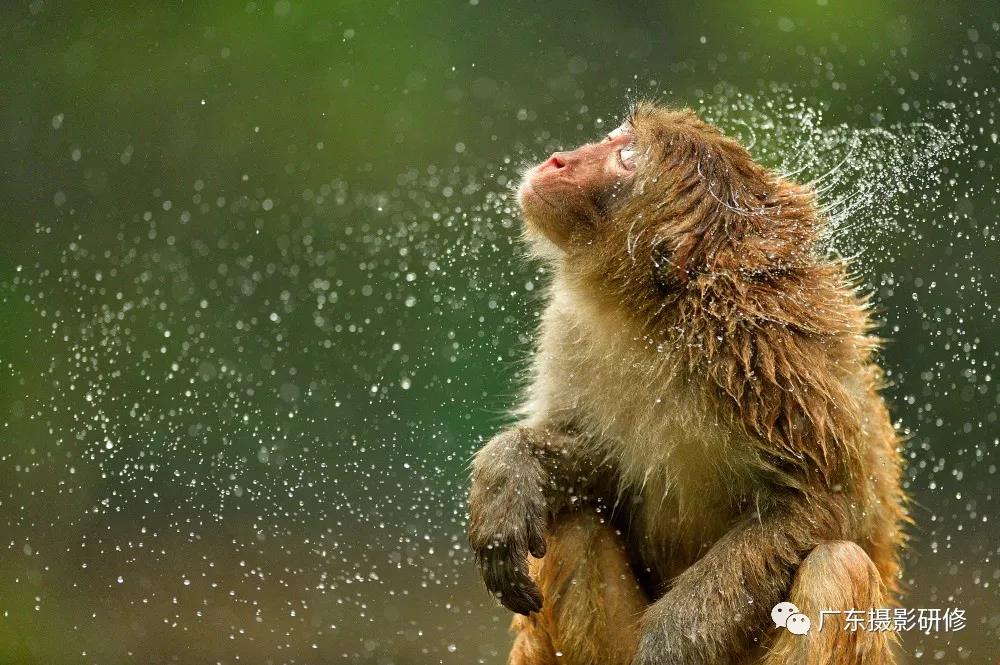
(662, 200)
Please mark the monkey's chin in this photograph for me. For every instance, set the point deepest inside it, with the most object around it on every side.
(527, 197)
(539, 219)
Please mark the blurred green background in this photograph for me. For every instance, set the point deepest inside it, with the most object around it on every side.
(261, 296)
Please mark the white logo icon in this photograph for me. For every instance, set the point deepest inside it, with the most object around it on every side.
(786, 615)
(781, 612)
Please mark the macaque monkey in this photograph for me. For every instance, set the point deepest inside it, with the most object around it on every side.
(703, 436)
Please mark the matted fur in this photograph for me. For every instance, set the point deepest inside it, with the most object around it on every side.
(592, 591)
(699, 342)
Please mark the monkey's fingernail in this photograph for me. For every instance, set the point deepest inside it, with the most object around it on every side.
(536, 603)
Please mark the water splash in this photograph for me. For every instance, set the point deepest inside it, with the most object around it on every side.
(302, 358)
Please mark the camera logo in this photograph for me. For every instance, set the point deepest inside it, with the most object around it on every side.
(786, 615)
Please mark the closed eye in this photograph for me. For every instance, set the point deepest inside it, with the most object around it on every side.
(626, 157)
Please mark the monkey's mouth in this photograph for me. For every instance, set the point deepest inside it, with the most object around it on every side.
(541, 196)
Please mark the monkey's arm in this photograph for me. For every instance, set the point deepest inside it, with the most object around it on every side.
(722, 602)
(520, 479)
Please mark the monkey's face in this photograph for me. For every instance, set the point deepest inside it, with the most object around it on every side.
(566, 197)
(661, 200)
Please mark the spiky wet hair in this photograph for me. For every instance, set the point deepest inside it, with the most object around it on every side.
(716, 259)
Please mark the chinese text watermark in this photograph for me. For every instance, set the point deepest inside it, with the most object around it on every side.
(875, 620)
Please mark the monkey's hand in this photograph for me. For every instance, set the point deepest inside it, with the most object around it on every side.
(711, 610)
(507, 517)
(718, 606)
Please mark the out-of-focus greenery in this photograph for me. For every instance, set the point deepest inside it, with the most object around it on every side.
(260, 298)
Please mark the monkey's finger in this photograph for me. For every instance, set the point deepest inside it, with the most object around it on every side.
(536, 542)
(505, 573)
(523, 597)
(517, 591)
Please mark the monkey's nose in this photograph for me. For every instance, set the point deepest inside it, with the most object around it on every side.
(556, 161)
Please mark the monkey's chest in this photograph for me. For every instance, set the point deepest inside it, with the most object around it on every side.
(679, 481)
(682, 476)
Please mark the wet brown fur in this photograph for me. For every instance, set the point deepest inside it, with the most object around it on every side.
(714, 367)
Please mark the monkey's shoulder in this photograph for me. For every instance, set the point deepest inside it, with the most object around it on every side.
(591, 368)
(768, 396)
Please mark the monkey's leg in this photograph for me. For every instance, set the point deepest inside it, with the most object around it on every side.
(835, 576)
(592, 601)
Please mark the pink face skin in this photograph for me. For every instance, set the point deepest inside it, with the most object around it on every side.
(564, 194)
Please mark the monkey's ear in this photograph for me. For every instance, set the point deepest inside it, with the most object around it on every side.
(668, 276)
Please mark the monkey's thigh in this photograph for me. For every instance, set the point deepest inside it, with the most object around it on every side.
(592, 601)
(837, 576)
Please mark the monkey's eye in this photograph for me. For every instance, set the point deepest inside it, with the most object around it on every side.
(627, 156)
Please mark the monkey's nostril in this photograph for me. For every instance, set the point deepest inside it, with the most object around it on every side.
(556, 161)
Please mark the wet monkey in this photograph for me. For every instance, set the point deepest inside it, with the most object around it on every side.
(703, 435)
